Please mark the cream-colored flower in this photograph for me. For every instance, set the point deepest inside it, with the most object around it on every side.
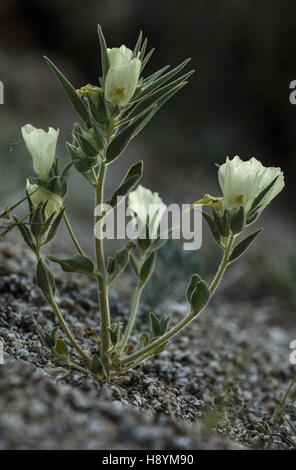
(148, 208)
(122, 77)
(42, 147)
(39, 195)
(242, 181)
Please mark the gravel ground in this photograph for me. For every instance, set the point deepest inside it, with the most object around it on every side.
(216, 386)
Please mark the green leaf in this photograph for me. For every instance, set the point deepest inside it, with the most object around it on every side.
(82, 163)
(98, 112)
(54, 333)
(161, 80)
(243, 245)
(135, 263)
(144, 339)
(238, 221)
(213, 227)
(115, 332)
(130, 180)
(159, 104)
(26, 234)
(44, 279)
(117, 264)
(70, 91)
(143, 49)
(121, 140)
(164, 324)
(195, 279)
(138, 45)
(61, 349)
(199, 297)
(74, 264)
(155, 325)
(85, 145)
(37, 221)
(146, 59)
(153, 98)
(147, 268)
(54, 227)
(104, 54)
(46, 339)
(222, 223)
(96, 367)
(151, 78)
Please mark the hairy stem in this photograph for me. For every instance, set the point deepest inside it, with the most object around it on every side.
(224, 263)
(67, 331)
(101, 278)
(72, 235)
(133, 315)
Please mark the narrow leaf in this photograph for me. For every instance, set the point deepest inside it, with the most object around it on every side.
(130, 180)
(121, 140)
(74, 264)
(104, 54)
(213, 227)
(200, 297)
(147, 268)
(161, 80)
(70, 91)
(243, 245)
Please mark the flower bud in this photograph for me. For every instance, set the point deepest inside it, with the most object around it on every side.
(122, 77)
(42, 147)
(39, 195)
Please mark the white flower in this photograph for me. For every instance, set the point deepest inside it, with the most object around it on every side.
(39, 195)
(148, 208)
(122, 77)
(242, 181)
(42, 147)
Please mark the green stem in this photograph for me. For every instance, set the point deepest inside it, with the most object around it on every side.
(67, 331)
(72, 235)
(277, 412)
(101, 278)
(133, 315)
(77, 367)
(145, 352)
(224, 263)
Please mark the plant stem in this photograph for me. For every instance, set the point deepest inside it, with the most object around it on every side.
(9, 209)
(11, 227)
(101, 278)
(72, 235)
(277, 412)
(67, 331)
(133, 315)
(224, 263)
(143, 353)
(77, 367)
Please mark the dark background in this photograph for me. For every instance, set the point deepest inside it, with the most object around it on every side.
(237, 102)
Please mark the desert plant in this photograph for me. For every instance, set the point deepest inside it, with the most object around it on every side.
(111, 114)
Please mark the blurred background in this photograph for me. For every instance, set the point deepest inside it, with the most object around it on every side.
(237, 102)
